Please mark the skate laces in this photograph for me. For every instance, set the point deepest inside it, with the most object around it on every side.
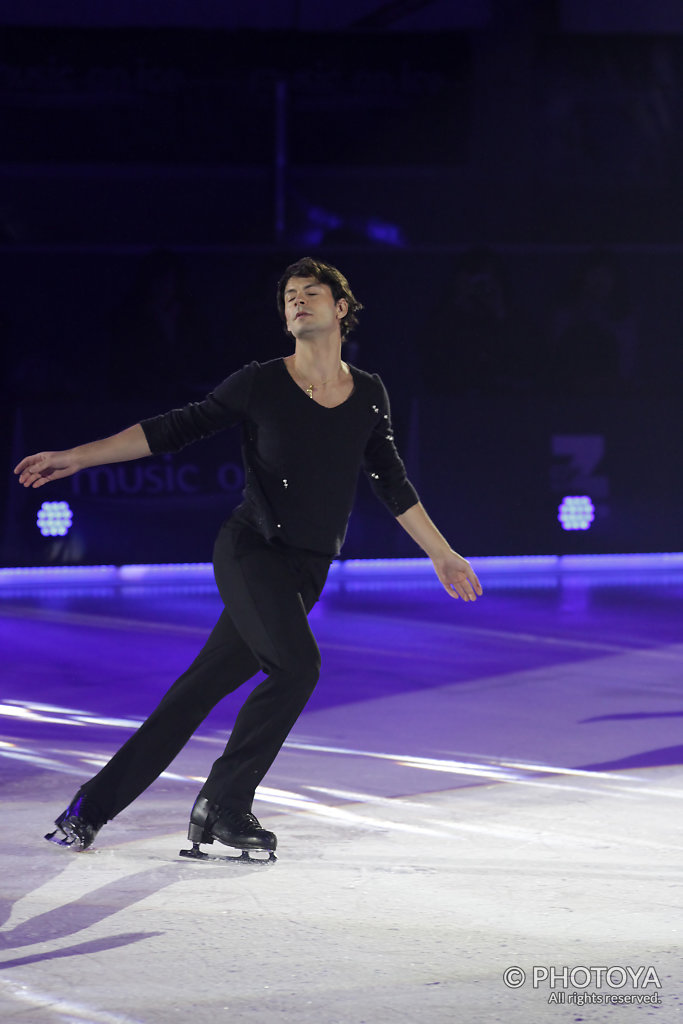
(247, 818)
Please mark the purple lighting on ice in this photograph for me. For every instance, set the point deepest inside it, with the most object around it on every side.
(54, 518)
(576, 512)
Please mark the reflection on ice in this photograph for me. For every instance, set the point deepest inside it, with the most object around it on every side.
(67, 716)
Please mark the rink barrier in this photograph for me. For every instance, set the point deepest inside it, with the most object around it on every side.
(489, 565)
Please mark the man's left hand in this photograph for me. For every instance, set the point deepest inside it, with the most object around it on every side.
(457, 577)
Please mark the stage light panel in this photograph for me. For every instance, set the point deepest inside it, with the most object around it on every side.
(54, 518)
(576, 512)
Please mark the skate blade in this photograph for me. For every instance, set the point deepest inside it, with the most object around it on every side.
(68, 840)
(64, 841)
(246, 857)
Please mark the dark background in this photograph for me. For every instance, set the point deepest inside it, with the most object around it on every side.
(500, 181)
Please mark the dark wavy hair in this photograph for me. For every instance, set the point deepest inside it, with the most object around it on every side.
(326, 274)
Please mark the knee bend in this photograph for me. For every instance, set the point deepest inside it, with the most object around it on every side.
(303, 674)
(308, 675)
(312, 675)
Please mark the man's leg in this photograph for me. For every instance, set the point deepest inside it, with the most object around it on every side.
(267, 592)
(223, 664)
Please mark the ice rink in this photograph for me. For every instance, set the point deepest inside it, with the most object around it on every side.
(478, 814)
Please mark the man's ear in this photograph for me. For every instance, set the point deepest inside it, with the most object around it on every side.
(342, 308)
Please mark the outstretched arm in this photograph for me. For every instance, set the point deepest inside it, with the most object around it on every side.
(455, 572)
(43, 468)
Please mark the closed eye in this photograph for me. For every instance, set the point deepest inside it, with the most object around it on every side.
(311, 289)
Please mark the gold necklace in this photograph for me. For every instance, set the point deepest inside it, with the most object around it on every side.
(310, 388)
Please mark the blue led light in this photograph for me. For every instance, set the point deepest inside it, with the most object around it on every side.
(576, 512)
(54, 518)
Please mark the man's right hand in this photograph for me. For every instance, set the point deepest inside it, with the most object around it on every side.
(43, 468)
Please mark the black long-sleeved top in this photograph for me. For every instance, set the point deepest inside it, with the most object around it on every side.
(301, 459)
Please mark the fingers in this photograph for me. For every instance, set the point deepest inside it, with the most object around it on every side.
(30, 461)
(40, 481)
(26, 471)
(457, 590)
(36, 470)
(30, 479)
(457, 577)
(465, 586)
(24, 464)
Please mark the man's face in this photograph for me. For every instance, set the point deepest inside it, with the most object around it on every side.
(310, 307)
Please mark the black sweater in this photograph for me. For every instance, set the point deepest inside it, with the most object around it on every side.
(301, 459)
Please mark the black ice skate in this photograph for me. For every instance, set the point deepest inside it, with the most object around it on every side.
(239, 829)
(78, 825)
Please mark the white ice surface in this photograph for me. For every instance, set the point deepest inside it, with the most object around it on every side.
(401, 909)
(428, 841)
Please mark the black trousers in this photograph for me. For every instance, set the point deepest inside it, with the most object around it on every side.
(268, 590)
